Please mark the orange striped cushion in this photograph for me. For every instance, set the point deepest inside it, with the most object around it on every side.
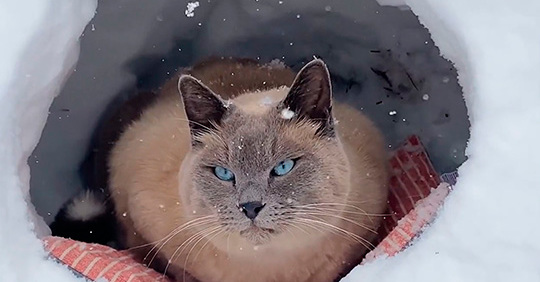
(412, 179)
(98, 262)
(411, 225)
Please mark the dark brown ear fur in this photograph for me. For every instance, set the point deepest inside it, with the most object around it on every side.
(310, 96)
(204, 109)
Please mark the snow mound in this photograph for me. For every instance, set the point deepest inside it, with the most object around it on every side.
(483, 232)
(41, 50)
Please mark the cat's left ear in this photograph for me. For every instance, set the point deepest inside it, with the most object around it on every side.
(310, 96)
(204, 109)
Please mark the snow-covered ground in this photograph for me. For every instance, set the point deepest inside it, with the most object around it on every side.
(486, 230)
(39, 46)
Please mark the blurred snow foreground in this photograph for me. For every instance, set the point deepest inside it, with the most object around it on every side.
(481, 233)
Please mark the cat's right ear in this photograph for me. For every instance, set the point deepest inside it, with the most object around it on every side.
(204, 109)
(310, 97)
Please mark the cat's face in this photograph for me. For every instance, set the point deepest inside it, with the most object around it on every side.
(263, 176)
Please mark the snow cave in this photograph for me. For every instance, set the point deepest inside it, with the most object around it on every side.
(416, 67)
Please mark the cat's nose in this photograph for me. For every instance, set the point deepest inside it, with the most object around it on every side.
(252, 209)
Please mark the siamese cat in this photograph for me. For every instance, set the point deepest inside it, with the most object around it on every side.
(237, 171)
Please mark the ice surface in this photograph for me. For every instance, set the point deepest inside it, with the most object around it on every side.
(39, 49)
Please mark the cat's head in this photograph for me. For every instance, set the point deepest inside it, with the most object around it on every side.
(260, 177)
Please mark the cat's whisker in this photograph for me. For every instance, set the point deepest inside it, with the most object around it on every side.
(228, 237)
(172, 258)
(343, 211)
(202, 237)
(312, 226)
(158, 241)
(163, 245)
(345, 236)
(191, 224)
(342, 205)
(333, 204)
(323, 229)
(337, 216)
(208, 241)
(182, 246)
(295, 226)
(352, 201)
(144, 245)
(348, 233)
(292, 233)
(221, 231)
(174, 232)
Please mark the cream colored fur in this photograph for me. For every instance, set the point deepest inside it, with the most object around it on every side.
(145, 167)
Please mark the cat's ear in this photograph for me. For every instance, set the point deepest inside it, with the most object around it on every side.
(204, 109)
(310, 96)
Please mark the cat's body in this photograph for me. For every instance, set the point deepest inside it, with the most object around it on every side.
(313, 223)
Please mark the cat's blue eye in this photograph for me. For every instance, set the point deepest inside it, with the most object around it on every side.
(283, 167)
(223, 173)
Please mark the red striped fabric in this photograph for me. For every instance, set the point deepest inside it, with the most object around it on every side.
(416, 193)
(411, 225)
(100, 263)
(413, 177)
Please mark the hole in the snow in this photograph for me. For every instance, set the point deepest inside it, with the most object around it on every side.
(382, 61)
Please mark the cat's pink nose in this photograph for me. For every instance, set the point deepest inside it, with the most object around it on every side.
(251, 209)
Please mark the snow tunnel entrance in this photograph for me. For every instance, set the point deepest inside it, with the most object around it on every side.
(382, 61)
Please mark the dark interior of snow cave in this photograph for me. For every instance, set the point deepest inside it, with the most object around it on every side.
(382, 61)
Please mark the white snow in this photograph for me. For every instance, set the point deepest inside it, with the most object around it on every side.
(486, 230)
(277, 63)
(227, 103)
(39, 49)
(287, 114)
(190, 9)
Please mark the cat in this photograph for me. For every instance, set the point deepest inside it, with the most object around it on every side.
(237, 171)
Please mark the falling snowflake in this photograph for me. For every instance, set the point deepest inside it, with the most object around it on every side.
(190, 9)
(227, 103)
(276, 64)
(287, 114)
